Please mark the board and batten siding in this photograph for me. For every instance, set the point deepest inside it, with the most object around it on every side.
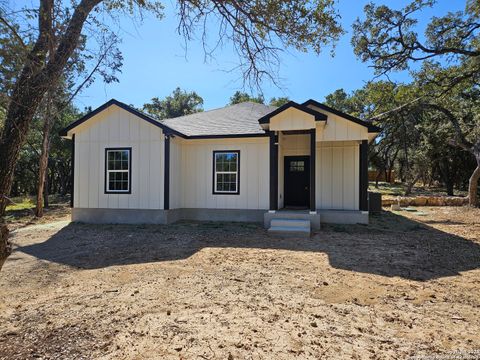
(196, 174)
(340, 129)
(337, 174)
(176, 178)
(112, 128)
(292, 119)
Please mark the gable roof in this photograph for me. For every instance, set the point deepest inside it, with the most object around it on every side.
(371, 128)
(125, 107)
(239, 120)
(292, 104)
(230, 121)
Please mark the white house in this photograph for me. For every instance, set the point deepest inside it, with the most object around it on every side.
(245, 162)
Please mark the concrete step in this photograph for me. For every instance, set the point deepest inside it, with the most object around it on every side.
(313, 219)
(289, 231)
(300, 223)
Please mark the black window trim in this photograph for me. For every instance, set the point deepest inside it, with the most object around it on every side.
(129, 170)
(214, 192)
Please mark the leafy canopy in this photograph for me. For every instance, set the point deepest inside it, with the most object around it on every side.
(389, 38)
(239, 97)
(179, 103)
(279, 101)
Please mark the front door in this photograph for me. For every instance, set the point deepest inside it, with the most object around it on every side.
(297, 181)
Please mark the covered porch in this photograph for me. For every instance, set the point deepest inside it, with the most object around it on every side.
(318, 165)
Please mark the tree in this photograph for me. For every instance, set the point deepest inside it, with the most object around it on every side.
(340, 100)
(415, 138)
(279, 101)
(258, 30)
(388, 39)
(60, 93)
(58, 171)
(179, 103)
(239, 97)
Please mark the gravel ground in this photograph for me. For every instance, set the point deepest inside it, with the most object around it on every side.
(406, 285)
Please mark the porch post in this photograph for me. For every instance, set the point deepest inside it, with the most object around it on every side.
(166, 173)
(313, 152)
(363, 201)
(273, 172)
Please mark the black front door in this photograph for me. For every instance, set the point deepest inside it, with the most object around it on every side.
(297, 181)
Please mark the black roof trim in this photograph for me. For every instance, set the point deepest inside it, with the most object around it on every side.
(224, 136)
(318, 116)
(167, 130)
(371, 128)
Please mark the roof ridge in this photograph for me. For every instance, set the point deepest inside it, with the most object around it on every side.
(216, 109)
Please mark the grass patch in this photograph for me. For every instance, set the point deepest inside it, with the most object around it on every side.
(21, 210)
(21, 203)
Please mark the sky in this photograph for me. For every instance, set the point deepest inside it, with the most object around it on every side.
(156, 62)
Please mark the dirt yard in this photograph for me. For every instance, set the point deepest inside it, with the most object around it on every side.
(406, 286)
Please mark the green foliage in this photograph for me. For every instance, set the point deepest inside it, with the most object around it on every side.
(279, 101)
(179, 103)
(473, 7)
(239, 97)
(438, 114)
(390, 40)
(415, 141)
(59, 163)
(339, 100)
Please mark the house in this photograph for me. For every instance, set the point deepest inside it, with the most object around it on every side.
(245, 162)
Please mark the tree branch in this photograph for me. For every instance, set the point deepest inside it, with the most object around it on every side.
(13, 31)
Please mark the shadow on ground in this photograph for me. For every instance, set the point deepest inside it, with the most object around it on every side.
(391, 245)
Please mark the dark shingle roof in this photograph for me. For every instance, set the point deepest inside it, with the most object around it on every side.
(231, 120)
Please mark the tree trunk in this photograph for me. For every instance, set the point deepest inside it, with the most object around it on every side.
(449, 186)
(13, 138)
(5, 248)
(46, 190)
(410, 185)
(473, 185)
(32, 84)
(43, 164)
(42, 168)
(377, 178)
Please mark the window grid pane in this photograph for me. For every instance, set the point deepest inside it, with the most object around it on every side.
(226, 172)
(118, 159)
(297, 166)
(118, 163)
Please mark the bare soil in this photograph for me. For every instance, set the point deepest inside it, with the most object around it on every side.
(406, 285)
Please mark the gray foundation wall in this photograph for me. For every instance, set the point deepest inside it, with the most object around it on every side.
(343, 216)
(119, 216)
(154, 216)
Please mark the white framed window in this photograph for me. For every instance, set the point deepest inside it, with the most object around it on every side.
(226, 172)
(118, 170)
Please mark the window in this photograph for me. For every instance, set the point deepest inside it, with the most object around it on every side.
(297, 166)
(226, 170)
(118, 164)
